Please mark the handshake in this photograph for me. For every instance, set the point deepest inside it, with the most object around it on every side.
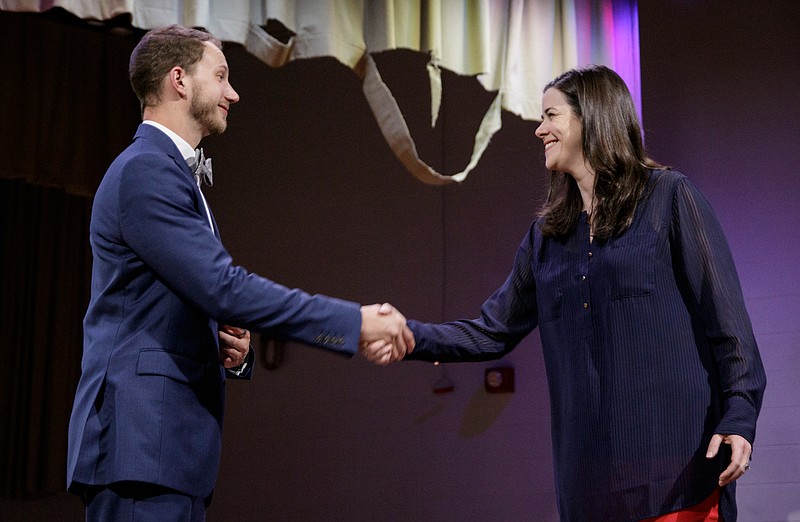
(385, 337)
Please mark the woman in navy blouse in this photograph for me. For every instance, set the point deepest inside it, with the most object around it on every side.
(654, 374)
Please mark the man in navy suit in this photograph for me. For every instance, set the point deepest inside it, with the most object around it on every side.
(144, 436)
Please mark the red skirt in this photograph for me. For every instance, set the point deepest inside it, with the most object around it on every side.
(706, 511)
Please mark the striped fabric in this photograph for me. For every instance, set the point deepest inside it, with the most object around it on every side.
(706, 511)
(648, 349)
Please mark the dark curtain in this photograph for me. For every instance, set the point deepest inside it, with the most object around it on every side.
(66, 111)
(67, 108)
(45, 265)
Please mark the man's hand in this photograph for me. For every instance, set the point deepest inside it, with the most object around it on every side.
(385, 337)
(740, 456)
(234, 343)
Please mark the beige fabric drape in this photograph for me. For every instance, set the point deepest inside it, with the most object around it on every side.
(514, 46)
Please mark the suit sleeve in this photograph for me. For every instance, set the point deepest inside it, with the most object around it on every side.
(704, 258)
(163, 225)
(506, 318)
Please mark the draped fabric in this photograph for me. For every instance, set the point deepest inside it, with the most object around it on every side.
(45, 265)
(514, 46)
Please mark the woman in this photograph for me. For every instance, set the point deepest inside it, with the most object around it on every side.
(654, 374)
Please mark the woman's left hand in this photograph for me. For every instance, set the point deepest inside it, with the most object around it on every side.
(740, 456)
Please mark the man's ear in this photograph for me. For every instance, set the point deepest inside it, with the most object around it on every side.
(177, 81)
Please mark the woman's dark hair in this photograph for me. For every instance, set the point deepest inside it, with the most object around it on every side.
(612, 146)
(159, 51)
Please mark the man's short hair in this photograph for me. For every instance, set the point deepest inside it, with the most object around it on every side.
(159, 51)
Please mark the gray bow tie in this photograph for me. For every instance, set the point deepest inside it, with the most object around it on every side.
(201, 167)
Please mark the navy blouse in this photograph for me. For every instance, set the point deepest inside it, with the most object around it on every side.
(648, 350)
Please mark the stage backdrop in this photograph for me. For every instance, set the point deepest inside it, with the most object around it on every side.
(513, 46)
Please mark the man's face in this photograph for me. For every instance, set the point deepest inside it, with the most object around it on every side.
(212, 93)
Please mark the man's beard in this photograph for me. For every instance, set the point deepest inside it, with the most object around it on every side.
(205, 114)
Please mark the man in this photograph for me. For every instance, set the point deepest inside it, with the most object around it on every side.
(144, 436)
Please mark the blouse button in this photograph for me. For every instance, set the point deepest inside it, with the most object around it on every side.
(585, 305)
(583, 278)
(590, 254)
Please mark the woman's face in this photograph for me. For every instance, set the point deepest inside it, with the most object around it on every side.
(561, 132)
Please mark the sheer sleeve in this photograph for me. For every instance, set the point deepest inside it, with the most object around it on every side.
(703, 258)
(506, 318)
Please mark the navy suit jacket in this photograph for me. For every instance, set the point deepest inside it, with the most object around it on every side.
(150, 400)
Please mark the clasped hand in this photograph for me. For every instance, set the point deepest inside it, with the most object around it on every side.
(234, 344)
(385, 336)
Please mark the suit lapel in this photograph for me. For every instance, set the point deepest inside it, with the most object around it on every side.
(216, 228)
(165, 143)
